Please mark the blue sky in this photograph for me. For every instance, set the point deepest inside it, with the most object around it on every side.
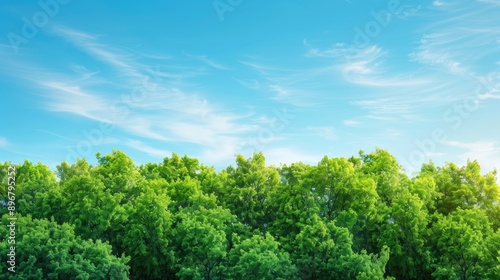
(212, 79)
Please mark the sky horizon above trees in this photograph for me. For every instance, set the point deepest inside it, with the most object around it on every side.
(218, 78)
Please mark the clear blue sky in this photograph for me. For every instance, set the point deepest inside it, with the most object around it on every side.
(295, 79)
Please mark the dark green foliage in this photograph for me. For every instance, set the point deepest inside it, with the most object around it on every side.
(146, 234)
(356, 218)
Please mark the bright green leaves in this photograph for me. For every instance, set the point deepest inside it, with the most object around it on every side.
(461, 247)
(247, 189)
(314, 250)
(291, 204)
(188, 194)
(88, 205)
(424, 186)
(65, 172)
(324, 251)
(493, 255)
(336, 187)
(465, 188)
(177, 168)
(118, 173)
(201, 242)
(31, 182)
(355, 218)
(405, 233)
(260, 257)
(45, 250)
(146, 234)
(386, 171)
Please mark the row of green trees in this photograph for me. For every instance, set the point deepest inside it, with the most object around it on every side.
(344, 218)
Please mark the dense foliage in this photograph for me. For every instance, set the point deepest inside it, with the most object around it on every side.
(344, 218)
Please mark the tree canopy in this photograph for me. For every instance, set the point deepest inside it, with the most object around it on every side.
(361, 217)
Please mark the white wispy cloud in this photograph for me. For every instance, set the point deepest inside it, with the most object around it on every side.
(149, 150)
(364, 66)
(250, 84)
(326, 132)
(438, 3)
(129, 65)
(479, 146)
(397, 95)
(100, 139)
(491, 91)
(298, 87)
(409, 10)
(456, 43)
(495, 2)
(449, 47)
(433, 58)
(138, 100)
(3, 142)
(382, 118)
(486, 152)
(393, 132)
(90, 44)
(367, 67)
(73, 99)
(489, 96)
(224, 151)
(386, 106)
(206, 60)
(351, 122)
(291, 96)
(164, 115)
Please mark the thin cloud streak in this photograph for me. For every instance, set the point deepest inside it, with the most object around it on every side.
(326, 132)
(142, 147)
(204, 59)
(486, 152)
(4, 143)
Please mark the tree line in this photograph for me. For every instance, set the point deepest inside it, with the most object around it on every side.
(361, 217)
